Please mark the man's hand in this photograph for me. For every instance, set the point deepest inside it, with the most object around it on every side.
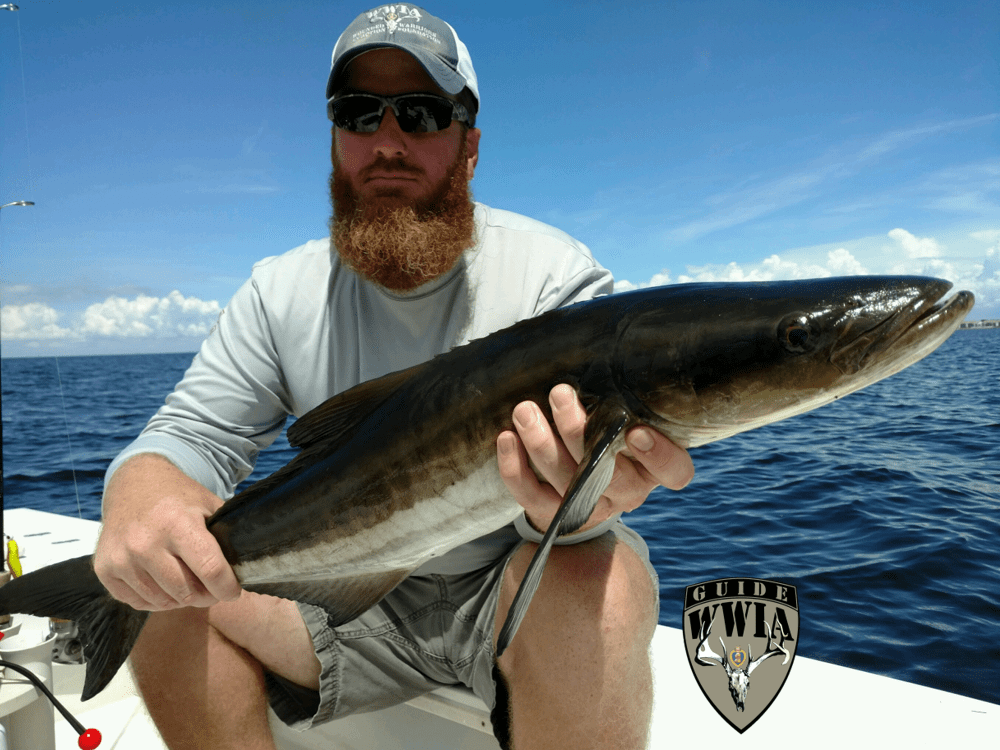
(155, 552)
(655, 461)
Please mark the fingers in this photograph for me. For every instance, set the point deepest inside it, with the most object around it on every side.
(658, 460)
(554, 456)
(170, 585)
(139, 592)
(150, 577)
(205, 561)
(165, 583)
(653, 461)
(570, 418)
(155, 551)
(144, 577)
(537, 462)
(539, 499)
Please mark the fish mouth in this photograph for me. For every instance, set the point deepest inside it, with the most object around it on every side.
(946, 311)
(930, 321)
(907, 334)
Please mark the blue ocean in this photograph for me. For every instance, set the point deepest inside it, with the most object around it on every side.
(883, 508)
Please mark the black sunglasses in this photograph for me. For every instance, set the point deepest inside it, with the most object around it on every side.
(415, 113)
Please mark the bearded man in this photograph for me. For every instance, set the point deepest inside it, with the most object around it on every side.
(412, 268)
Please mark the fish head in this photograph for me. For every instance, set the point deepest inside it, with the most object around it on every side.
(701, 362)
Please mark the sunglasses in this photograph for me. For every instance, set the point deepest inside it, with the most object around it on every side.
(415, 113)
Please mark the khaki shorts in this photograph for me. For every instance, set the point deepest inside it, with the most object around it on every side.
(428, 632)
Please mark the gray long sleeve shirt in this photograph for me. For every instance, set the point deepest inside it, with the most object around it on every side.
(304, 328)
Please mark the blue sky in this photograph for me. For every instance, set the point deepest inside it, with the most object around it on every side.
(168, 146)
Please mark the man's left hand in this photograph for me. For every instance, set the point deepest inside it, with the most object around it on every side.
(654, 461)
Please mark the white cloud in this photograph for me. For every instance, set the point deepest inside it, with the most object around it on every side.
(991, 236)
(842, 263)
(839, 262)
(659, 279)
(173, 315)
(31, 321)
(991, 266)
(916, 247)
(974, 266)
(117, 317)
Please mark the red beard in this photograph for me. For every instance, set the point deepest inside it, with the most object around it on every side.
(402, 247)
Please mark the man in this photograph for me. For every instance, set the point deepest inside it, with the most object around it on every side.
(412, 268)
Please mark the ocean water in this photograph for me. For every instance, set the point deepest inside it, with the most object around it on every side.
(882, 508)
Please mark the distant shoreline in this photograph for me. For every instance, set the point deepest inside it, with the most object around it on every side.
(976, 324)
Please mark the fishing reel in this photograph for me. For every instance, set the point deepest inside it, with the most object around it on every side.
(68, 648)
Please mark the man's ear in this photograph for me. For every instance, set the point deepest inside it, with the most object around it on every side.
(472, 150)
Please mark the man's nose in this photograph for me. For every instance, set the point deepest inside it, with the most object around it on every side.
(390, 141)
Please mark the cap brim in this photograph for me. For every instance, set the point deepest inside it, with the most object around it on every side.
(449, 80)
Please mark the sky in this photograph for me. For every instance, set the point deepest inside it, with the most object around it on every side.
(169, 146)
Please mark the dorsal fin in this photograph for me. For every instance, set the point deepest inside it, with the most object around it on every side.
(335, 419)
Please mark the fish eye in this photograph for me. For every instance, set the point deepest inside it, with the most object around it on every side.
(796, 333)
(797, 336)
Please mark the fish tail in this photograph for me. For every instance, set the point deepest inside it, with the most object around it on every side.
(70, 590)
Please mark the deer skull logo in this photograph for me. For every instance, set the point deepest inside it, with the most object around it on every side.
(760, 621)
(737, 669)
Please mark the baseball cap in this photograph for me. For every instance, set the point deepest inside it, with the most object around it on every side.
(430, 40)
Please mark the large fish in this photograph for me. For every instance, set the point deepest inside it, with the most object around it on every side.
(403, 468)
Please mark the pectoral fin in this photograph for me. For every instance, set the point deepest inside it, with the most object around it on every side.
(343, 598)
(604, 428)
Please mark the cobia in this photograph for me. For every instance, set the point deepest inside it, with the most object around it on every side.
(403, 468)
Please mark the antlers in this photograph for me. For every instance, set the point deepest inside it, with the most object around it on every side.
(706, 656)
(769, 652)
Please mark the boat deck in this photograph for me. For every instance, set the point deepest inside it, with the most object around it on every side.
(823, 705)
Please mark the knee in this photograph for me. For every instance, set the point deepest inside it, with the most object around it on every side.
(598, 592)
(610, 587)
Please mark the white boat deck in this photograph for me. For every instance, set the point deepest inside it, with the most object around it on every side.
(821, 705)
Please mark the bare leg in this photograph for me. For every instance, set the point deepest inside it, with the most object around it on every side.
(578, 669)
(202, 689)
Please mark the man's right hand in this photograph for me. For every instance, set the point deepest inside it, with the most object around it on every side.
(155, 552)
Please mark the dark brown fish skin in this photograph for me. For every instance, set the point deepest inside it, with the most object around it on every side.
(687, 359)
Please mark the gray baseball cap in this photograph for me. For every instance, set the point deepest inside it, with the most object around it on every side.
(430, 40)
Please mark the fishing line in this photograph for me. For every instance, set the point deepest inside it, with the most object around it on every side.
(24, 109)
(24, 93)
(72, 465)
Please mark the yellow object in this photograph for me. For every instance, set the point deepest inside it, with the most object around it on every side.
(13, 563)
